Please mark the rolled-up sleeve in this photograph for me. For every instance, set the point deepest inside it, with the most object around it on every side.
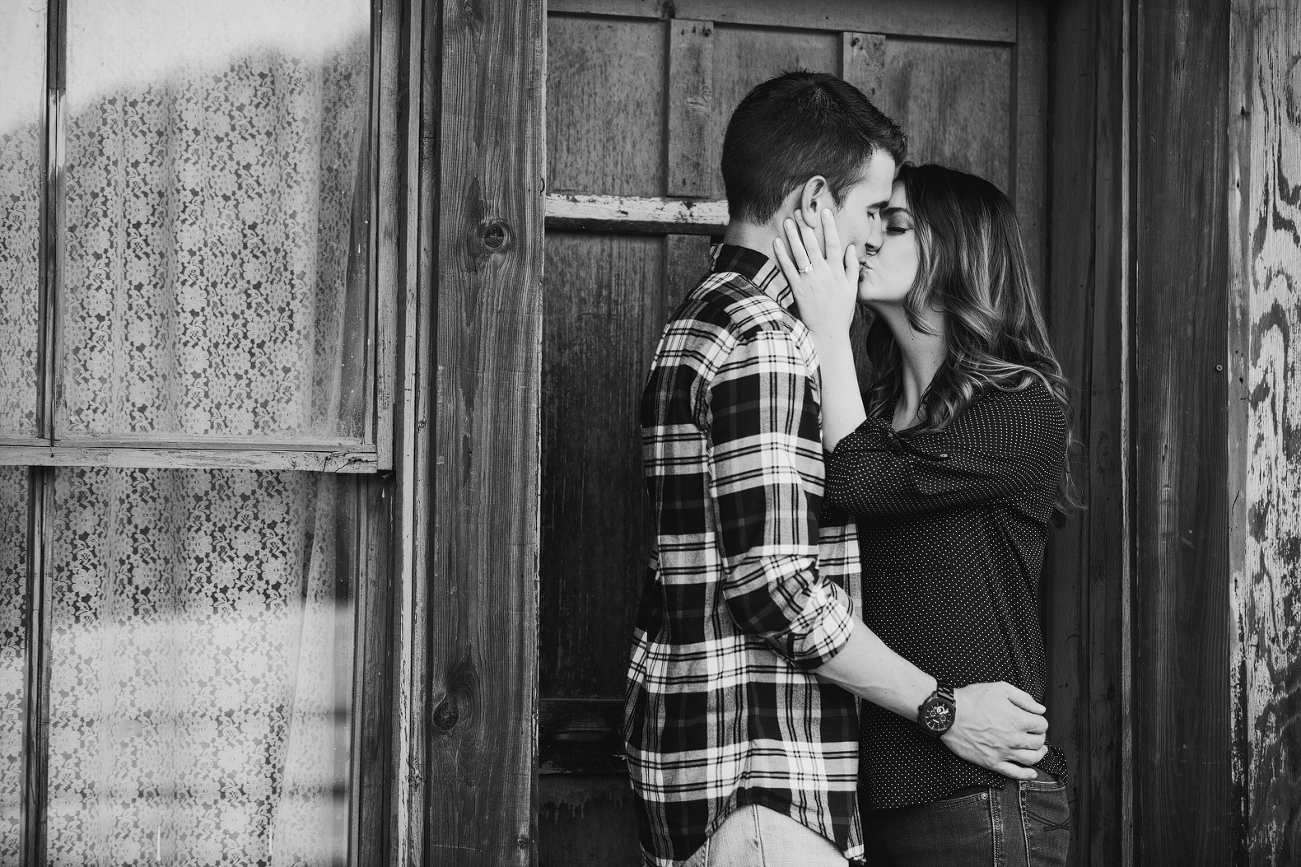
(1002, 446)
(767, 478)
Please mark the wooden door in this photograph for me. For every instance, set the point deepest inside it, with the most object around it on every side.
(638, 96)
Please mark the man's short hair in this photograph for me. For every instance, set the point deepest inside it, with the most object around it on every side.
(793, 127)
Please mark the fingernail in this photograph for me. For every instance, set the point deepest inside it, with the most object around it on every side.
(826, 212)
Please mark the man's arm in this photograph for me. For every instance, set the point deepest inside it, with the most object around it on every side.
(763, 423)
(997, 726)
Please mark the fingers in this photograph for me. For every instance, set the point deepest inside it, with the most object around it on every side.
(1015, 771)
(1028, 757)
(851, 265)
(784, 260)
(810, 242)
(1024, 700)
(830, 237)
(799, 249)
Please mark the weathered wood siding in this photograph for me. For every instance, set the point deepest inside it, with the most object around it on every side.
(1182, 804)
(1265, 427)
(482, 597)
(1086, 575)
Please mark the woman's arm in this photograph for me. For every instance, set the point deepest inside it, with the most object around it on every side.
(1006, 445)
(826, 296)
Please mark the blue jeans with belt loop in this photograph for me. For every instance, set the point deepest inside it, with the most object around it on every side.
(1022, 824)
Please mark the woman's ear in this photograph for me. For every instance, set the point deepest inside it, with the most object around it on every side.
(814, 196)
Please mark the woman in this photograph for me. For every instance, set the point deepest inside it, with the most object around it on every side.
(953, 461)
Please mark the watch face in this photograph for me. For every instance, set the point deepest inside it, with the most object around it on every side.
(937, 716)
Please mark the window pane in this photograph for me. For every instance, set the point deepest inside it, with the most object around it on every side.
(202, 639)
(13, 655)
(216, 217)
(22, 95)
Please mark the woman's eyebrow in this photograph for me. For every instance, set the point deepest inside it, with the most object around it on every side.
(890, 212)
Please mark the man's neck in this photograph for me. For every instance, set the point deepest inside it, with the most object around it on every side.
(752, 236)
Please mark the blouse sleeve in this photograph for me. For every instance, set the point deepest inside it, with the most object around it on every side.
(1005, 446)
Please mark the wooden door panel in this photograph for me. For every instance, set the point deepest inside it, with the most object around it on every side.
(954, 99)
(604, 308)
(747, 56)
(605, 106)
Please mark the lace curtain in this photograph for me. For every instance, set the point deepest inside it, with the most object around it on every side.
(200, 683)
(214, 285)
(13, 655)
(214, 269)
(22, 101)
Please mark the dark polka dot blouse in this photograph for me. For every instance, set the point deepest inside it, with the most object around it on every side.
(952, 527)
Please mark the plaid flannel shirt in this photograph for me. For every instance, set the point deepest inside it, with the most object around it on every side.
(750, 584)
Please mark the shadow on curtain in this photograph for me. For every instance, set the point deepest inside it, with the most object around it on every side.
(214, 286)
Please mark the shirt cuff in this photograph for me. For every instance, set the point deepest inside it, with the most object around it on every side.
(823, 628)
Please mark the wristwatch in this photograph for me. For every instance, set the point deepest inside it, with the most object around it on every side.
(936, 714)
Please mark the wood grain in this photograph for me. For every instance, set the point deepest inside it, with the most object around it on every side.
(605, 106)
(978, 20)
(746, 56)
(482, 609)
(954, 100)
(418, 118)
(1182, 805)
(862, 62)
(1265, 462)
(604, 310)
(1029, 132)
(320, 461)
(1086, 576)
(388, 210)
(643, 214)
(692, 150)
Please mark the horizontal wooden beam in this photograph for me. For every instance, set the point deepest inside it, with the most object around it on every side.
(653, 216)
(976, 20)
(197, 459)
(286, 443)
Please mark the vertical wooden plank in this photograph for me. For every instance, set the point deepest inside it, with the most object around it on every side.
(1087, 571)
(606, 106)
(955, 102)
(1029, 137)
(36, 745)
(371, 518)
(1182, 726)
(1264, 481)
(862, 62)
(419, 117)
(388, 207)
(483, 588)
(747, 56)
(604, 307)
(692, 151)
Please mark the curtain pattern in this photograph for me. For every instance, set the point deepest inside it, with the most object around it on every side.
(22, 62)
(214, 284)
(200, 680)
(209, 221)
(13, 655)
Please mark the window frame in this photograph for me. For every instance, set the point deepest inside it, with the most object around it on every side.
(384, 501)
(373, 452)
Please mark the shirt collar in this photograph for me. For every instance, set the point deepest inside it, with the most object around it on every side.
(754, 266)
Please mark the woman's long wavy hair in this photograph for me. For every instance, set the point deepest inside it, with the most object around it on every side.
(973, 268)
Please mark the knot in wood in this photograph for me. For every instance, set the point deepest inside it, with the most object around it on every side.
(447, 714)
(495, 235)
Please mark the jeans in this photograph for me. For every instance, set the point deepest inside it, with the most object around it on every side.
(759, 837)
(1022, 824)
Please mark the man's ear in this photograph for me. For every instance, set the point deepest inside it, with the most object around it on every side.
(814, 196)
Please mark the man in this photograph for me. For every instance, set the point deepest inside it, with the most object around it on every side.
(740, 720)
